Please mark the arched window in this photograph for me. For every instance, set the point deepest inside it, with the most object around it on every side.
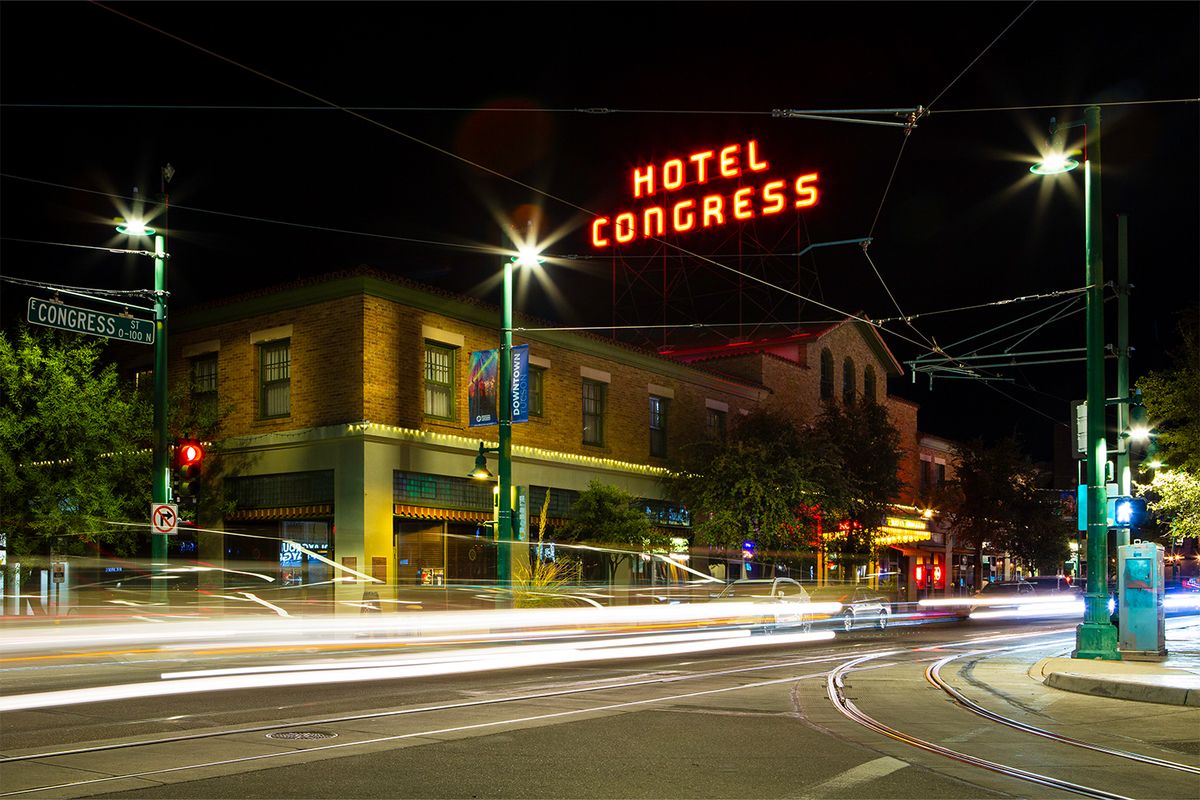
(869, 383)
(848, 381)
(826, 374)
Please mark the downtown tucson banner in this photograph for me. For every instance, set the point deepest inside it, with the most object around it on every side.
(483, 386)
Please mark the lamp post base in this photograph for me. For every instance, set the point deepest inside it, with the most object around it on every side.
(1096, 640)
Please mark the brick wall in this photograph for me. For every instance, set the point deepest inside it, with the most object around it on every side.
(326, 373)
(395, 392)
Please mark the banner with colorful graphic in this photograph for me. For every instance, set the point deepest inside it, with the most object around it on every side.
(483, 387)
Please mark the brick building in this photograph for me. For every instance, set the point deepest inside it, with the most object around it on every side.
(348, 428)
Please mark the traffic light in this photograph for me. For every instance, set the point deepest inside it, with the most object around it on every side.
(189, 457)
(1127, 512)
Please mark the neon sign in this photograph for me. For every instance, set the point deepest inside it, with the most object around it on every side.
(741, 203)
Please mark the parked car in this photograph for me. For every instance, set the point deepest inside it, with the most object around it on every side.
(783, 598)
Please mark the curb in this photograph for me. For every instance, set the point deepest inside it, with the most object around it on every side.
(1123, 690)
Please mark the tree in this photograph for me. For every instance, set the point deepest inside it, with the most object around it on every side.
(74, 446)
(1174, 497)
(996, 497)
(859, 469)
(1172, 399)
(748, 488)
(607, 517)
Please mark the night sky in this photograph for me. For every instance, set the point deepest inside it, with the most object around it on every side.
(461, 113)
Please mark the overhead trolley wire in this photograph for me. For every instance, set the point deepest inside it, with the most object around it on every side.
(463, 160)
(981, 54)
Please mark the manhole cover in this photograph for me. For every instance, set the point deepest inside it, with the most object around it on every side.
(293, 735)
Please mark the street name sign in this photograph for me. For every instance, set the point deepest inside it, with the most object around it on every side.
(85, 320)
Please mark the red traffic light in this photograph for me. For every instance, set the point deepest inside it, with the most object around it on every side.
(190, 453)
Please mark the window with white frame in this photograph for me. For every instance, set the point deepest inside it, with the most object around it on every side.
(537, 392)
(203, 384)
(658, 426)
(595, 395)
(275, 378)
(439, 380)
(716, 424)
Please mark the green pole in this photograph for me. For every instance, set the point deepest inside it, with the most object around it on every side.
(162, 482)
(1095, 637)
(504, 538)
(1124, 443)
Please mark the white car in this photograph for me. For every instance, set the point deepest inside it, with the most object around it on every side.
(785, 599)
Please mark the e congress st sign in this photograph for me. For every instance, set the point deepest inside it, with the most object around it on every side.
(85, 320)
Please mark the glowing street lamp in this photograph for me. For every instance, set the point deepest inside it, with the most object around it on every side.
(160, 485)
(527, 256)
(1095, 637)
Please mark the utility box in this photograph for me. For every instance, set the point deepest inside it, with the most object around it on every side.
(1140, 585)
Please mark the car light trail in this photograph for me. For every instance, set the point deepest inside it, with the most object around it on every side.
(529, 656)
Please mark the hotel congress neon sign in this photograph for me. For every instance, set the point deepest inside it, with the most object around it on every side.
(763, 197)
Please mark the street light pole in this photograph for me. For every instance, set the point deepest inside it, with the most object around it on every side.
(1095, 637)
(504, 535)
(162, 478)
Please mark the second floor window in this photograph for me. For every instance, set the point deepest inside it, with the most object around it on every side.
(275, 378)
(594, 396)
(204, 384)
(826, 374)
(658, 426)
(439, 381)
(848, 381)
(537, 392)
(716, 425)
(869, 384)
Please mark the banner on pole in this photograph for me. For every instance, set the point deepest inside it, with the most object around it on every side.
(520, 383)
(483, 388)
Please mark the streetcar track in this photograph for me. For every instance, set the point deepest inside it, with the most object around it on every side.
(835, 687)
(933, 675)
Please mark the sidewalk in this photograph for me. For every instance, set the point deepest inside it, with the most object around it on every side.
(1175, 681)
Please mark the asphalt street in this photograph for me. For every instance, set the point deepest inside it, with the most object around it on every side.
(754, 723)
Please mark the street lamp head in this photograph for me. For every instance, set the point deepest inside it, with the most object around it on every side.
(527, 256)
(135, 228)
(1054, 164)
(481, 471)
(1139, 433)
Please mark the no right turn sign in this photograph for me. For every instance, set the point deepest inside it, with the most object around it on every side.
(164, 518)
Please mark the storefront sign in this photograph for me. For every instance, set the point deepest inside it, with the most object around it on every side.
(739, 185)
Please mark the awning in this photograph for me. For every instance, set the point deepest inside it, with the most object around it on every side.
(288, 512)
(447, 514)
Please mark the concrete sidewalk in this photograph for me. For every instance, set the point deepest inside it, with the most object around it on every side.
(1175, 681)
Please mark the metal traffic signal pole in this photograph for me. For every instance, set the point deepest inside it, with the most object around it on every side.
(162, 468)
(1124, 442)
